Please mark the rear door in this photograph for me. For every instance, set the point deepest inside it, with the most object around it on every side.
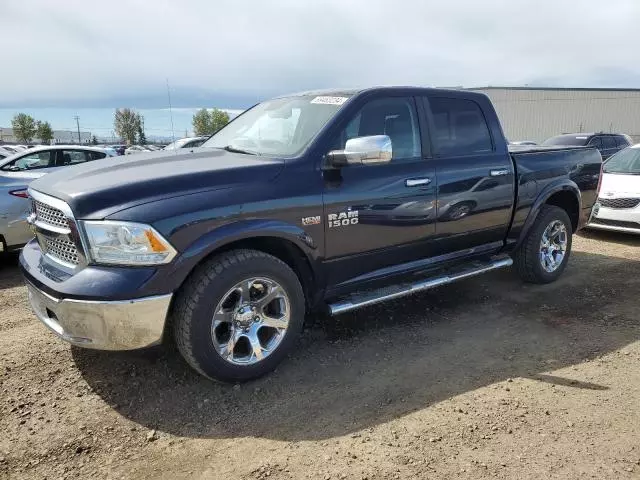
(474, 171)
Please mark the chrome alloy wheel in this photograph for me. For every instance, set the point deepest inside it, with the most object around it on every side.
(250, 321)
(553, 246)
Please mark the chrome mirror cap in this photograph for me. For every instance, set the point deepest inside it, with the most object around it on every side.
(370, 150)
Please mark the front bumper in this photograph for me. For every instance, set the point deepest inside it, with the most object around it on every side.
(117, 325)
(620, 220)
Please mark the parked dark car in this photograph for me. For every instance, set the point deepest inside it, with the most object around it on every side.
(606, 143)
(228, 246)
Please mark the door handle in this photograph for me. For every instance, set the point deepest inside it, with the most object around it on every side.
(416, 182)
(499, 172)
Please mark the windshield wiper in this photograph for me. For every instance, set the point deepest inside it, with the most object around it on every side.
(233, 149)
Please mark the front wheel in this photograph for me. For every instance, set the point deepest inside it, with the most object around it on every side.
(239, 315)
(544, 254)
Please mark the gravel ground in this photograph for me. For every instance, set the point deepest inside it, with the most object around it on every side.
(487, 378)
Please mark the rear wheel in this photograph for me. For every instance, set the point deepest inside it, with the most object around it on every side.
(545, 252)
(239, 315)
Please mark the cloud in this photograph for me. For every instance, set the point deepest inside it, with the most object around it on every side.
(231, 53)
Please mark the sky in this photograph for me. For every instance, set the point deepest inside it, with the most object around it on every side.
(232, 53)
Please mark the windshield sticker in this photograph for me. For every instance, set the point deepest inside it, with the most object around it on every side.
(330, 100)
(582, 138)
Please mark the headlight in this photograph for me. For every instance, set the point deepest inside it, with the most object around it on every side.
(126, 243)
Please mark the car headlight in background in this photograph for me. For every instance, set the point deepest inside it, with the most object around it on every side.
(126, 243)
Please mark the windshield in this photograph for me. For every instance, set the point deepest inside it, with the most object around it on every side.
(567, 140)
(282, 127)
(625, 161)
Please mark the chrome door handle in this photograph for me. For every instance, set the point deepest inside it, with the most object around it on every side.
(416, 182)
(499, 173)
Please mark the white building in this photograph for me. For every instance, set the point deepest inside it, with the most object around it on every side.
(59, 136)
(539, 113)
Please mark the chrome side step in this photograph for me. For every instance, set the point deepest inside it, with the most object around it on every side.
(389, 293)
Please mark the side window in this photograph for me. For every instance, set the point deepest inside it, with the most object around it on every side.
(595, 142)
(32, 162)
(621, 142)
(608, 142)
(71, 157)
(459, 127)
(96, 155)
(395, 117)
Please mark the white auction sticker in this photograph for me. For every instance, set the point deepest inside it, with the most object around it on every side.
(330, 100)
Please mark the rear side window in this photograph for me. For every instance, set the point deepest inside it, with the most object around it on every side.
(622, 142)
(459, 127)
(96, 155)
(608, 142)
(71, 157)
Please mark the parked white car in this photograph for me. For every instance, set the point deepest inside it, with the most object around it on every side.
(136, 149)
(618, 205)
(18, 171)
(187, 142)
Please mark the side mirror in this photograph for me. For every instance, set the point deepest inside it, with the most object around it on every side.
(371, 150)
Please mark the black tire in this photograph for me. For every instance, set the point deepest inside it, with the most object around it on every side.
(527, 257)
(194, 306)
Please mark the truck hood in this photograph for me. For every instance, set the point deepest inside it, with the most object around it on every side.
(615, 184)
(103, 187)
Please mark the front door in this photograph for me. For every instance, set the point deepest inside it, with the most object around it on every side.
(475, 176)
(379, 215)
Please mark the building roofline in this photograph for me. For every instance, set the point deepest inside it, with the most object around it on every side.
(570, 89)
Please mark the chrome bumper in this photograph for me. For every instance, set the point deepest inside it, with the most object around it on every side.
(119, 325)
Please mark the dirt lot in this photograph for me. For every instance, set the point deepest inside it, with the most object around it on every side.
(485, 378)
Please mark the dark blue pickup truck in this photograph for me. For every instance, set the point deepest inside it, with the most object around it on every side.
(321, 201)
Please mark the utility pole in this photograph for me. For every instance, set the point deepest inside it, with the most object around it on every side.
(77, 119)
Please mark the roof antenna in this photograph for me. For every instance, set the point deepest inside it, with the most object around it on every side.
(173, 136)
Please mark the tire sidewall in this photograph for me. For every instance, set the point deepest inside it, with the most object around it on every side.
(204, 351)
(552, 214)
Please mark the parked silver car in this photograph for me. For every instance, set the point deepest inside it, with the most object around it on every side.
(17, 171)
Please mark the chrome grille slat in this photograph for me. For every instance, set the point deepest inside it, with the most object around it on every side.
(619, 202)
(62, 249)
(50, 215)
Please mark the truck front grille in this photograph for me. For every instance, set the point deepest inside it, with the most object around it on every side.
(56, 230)
(50, 215)
(619, 202)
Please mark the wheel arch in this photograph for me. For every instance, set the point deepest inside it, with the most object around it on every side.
(564, 194)
(287, 242)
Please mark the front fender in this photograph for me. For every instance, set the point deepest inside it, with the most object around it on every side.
(173, 276)
(246, 229)
(562, 184)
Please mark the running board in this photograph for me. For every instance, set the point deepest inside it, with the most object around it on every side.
(356, 301)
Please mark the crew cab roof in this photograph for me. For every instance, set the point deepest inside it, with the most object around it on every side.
(383, 89)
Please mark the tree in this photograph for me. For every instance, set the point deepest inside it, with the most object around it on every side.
(24, 127)
(126, 123)
(219, 118)
(142, 138)
(201, 122)
(207, 122)
(94, 140)
(44, 132)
